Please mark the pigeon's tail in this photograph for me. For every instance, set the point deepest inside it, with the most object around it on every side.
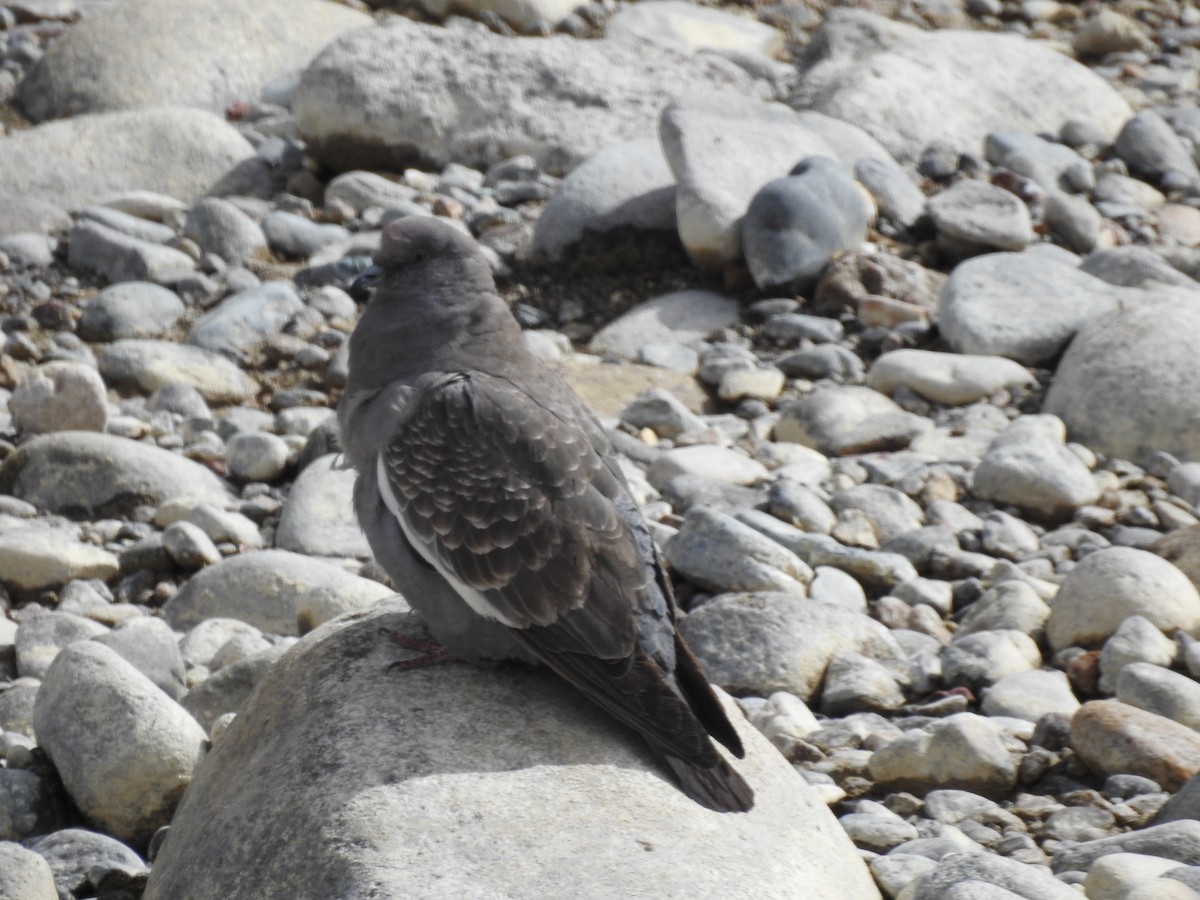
(717, 787)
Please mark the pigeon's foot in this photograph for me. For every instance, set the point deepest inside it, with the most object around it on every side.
(433, 653)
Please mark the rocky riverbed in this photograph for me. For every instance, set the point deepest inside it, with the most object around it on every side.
(891, 307)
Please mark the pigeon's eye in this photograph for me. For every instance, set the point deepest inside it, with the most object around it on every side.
(419, 257)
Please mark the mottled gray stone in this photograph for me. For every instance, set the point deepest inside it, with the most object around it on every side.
(82, 474)
(124, 749)
(548, 757)
(132, 309)
(794, 641)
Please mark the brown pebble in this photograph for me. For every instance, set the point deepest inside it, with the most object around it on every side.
(1084, 672)
(1112, 738)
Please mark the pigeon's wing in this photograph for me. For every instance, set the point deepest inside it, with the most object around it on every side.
(498, 493)
(510, 500)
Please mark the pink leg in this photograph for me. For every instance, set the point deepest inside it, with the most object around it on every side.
(432, 653)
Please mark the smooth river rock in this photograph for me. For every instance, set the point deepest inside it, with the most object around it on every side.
(458, 808)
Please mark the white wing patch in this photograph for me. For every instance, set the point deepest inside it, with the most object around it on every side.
(470, 595)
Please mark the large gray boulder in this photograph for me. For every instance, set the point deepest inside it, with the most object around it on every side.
(205, 53)
(406, 93)
(90, 158)
(908, 87)
(342, 779)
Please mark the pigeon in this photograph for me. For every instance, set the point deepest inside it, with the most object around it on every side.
(492, 496)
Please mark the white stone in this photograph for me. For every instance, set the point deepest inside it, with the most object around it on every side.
(1161, 691)
(686, 28)
(1030, 466)
(1128, 385)
(1030, 695)
(196, 53)
(1108, 586)
(555, 98)
(82, 160)
(1025, 306)
(1112, 877)
(522, 15)
(318, 516)
(39, 557)
(60, 396)
(963, 751)
(950, 378)
(124, 749)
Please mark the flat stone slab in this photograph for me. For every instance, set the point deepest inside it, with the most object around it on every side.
(82, 474)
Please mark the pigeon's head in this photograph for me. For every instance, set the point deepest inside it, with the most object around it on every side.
(424, 253)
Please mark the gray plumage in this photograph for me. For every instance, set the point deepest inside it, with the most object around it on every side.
(490, 494)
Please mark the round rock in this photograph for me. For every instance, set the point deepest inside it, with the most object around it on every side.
(982, 216)
(124, 749)
(1127, 384)
(1109, 586)
(719, 553)
(40, 557)
(796, 225)
(794, 641)
(132, 309)
(951, 378)
(25, 875)
(39, 639)
(149, 645)
(848, 419)
(1030, 466)
(239, 324)
(685, 28)
(60, 396)
(256, 456)
(907, 87)
(217, 226)
(86, 159)
(1030, 695)
(74, 853)
(683, 317)
(624, 188)
(548, 758)
(318, 516)
(354, 113)
(275, 590)
(192, 53)
(964, 751)
(1113, 738)
(1024, 306)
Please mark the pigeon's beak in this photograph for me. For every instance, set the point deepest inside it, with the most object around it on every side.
(361, 288)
